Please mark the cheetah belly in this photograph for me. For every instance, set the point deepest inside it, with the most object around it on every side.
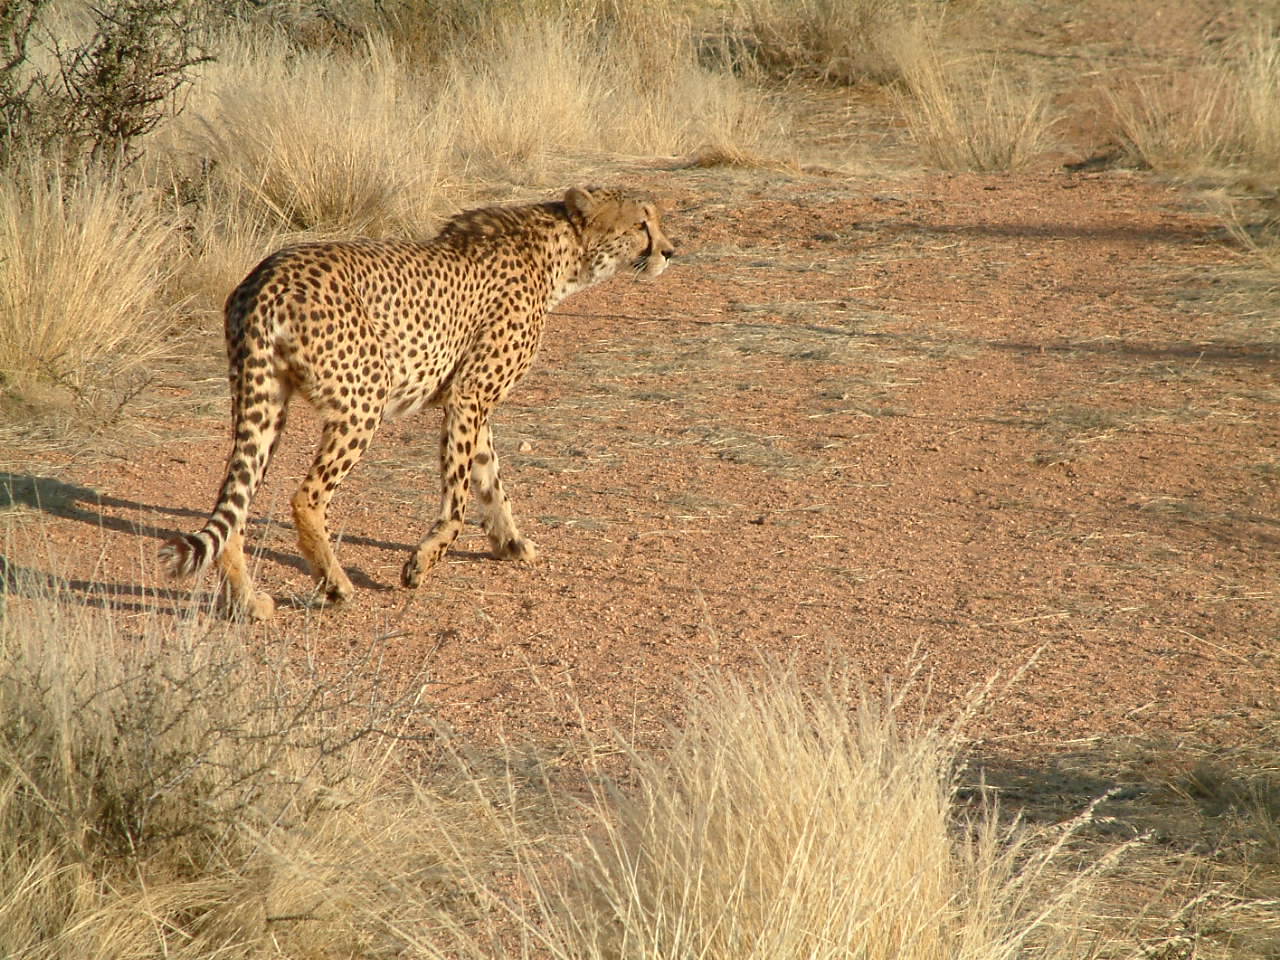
(404, 406)
(418, 382)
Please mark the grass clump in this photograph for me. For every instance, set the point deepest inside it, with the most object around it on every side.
(970, 113)
(182, 792)
(1216, 121)
(837, 40)
(324, 141)
(185, 791)
(85, 262)
(1219, 116)
(782, 824)
(533, 89)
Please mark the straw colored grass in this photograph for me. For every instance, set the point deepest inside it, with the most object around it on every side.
(227, 236)
(84, 262)
(182, 790)
(542, 88)
(530, 90)
(722, 120)
(795, 826)
(841, 40)
(179, 791)
(970, 113)
(325, 141)
(1221, 115)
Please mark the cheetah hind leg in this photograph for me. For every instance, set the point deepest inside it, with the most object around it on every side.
(504, 538)
(238, 598)
(342, 442)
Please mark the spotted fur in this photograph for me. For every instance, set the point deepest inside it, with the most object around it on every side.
(371, 330)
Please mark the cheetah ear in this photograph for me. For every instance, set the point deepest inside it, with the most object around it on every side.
(580, 202)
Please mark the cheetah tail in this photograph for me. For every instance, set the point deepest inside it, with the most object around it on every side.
(188, 553)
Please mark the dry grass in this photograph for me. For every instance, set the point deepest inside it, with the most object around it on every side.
(1208, 869)
(841, 40)
(970, 113)
(1220, 116)
(227, 234)
(782, 825)
(1255, 228)
(85, 263)
(324, 141)
(542, 87)
(377, 139)
(184, 791)
(531, 89)
(723, 120)
(181, 792)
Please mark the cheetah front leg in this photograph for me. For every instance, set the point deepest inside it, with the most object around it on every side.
(459, 436)
(504, 538)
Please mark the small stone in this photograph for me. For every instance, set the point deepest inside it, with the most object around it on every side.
(525, 446)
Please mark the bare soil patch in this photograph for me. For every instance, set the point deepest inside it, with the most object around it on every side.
(973, 417)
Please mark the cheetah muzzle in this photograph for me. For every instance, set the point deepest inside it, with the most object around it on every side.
(372, 330)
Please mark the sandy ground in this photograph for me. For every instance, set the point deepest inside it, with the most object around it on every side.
(862, 420)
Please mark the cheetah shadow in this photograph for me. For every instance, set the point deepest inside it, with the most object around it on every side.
(70, 501)
(18, 579)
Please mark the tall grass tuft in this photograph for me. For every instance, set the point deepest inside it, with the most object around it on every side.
(788, 826)
(1218, 118)
(537, 88)
(527, 90)
(1219, 115)
(180, 791)
(839, 40)
(968, 113)
(721, 120)
(326, 141)
(225, 238)
(84, 261)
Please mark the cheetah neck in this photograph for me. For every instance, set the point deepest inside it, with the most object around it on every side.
(571, 269)
(565, 288)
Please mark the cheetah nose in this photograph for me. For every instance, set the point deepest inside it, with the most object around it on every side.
(667, 252)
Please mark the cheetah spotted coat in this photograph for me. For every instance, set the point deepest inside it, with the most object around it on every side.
(371, 330)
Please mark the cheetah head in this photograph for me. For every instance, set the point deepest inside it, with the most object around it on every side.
(618, 229)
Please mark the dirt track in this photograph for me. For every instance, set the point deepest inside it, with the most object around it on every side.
(970, 415)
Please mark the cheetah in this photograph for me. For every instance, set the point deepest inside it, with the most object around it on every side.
(368, 331)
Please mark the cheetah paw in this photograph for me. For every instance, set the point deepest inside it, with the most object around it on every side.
(336, 593)
(260, 608)
(518, 548)
(254, 609)
(411, 574)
